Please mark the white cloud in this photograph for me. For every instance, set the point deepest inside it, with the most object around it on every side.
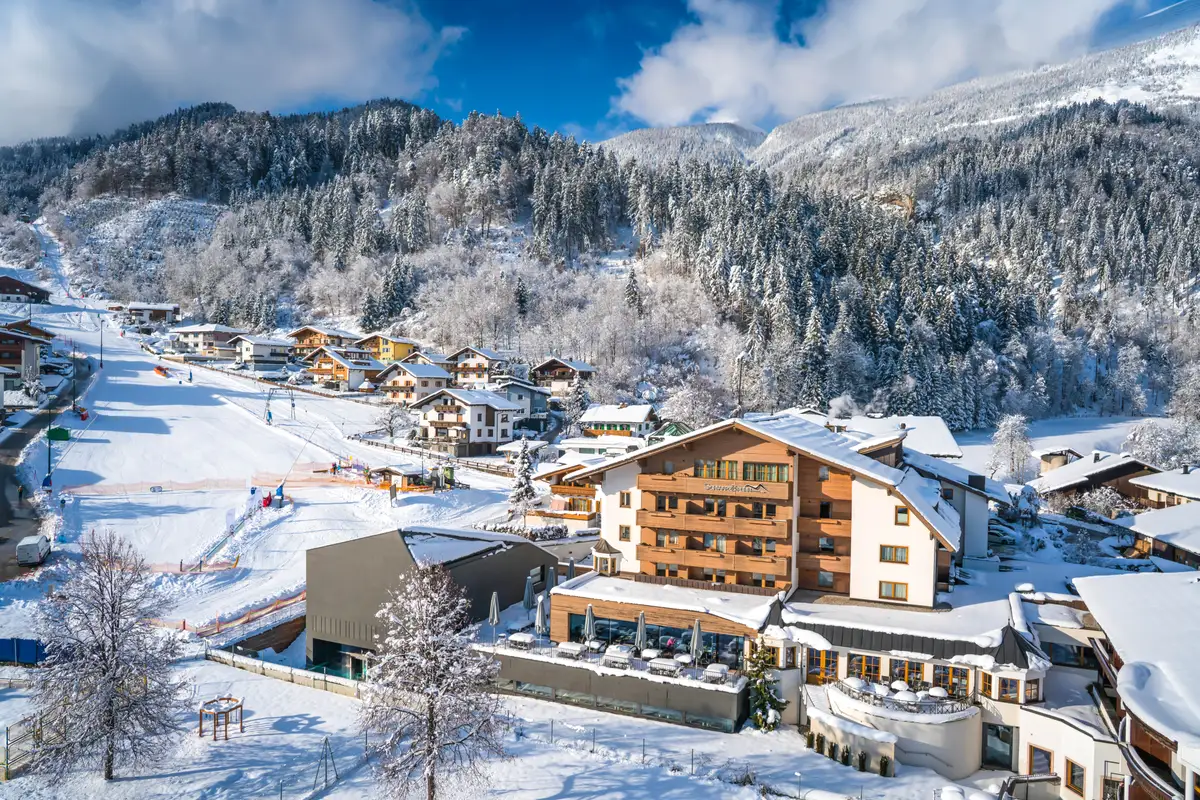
(730, 62)
(82, 66)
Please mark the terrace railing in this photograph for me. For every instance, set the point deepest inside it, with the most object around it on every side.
(924, 705)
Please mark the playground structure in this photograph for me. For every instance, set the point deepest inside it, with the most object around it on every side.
(220, 710)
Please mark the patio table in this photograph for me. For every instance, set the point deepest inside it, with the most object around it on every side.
(521, 640)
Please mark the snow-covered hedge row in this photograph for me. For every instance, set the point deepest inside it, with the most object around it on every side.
(539, 533)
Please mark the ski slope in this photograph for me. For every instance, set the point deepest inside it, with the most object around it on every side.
(203, 439)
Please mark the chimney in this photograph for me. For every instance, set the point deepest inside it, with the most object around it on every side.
(976, 482)
(903, 426)
(1096, 457)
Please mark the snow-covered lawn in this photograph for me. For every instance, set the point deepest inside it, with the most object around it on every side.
(1084, 434)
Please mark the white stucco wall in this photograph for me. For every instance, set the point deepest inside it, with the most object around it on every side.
(974, 516)
(612, 516)
(875, 525)
(1065, 741)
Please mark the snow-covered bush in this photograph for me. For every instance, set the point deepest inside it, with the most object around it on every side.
(538, 533)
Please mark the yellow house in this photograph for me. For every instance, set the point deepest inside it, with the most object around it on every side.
(387, 348)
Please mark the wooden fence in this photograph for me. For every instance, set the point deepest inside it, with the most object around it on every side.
(223, 626)
(495, 468)
(301, 677)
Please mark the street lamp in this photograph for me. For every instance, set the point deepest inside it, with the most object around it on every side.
(798, 779)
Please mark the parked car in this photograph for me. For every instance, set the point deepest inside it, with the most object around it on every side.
(32, 550)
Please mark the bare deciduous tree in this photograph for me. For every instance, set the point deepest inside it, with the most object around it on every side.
(107, 692)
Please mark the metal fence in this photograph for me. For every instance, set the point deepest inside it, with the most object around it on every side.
(26, 652)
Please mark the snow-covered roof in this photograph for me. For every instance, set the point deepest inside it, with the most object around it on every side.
(209, 327)
(925, 434)
(515, 445)
(744, 609)
(490, 355)
(924, 497)
(434, 545)
(1176, 481)
(570, 461)
(415, 370)
(429, 355)
(334, 332)
(9, 371)
(387, 337)
(624, 442)
(959, 476)
(618, 413)
(1082, 470)
(353, 359)
(521, 383)
(1178, 526)
(474, 397)
(1056, 451)
(153, 306)
(578, 366)
(265, 341)
(1151, 621)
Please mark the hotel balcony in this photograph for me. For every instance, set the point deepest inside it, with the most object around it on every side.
(680, 483)
(729, 562)
(703, 523)
(573, 491)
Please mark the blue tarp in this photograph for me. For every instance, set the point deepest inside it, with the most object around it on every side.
(21, 651)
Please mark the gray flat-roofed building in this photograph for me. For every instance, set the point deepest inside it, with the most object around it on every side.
(348, 581)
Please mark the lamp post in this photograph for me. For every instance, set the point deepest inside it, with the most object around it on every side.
(100, 319)
(798, 779)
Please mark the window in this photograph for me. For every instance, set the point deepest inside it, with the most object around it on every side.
(826, 510)
(624, 532)
(1041, 762)
(538, 573)
(721, 543)
(625, 499)
(660, 570)
(901, 515)
(1010, 689)
(825, 579)
(765, 581)
(825, 544)
(893, 554)
(490, 432)
(889, 590)
(865, 667)
(714, 507)
(1065, 655)
(764, 473)
(911, 672)
(479, 417)
(707, 468)
(822, 474)
(948, 493)
(953, 679)
(985, 684)
(660, 503)
(673, 570)
(660, 539)
(822, 666)
(1075, 777)
(669, 467)
(504, 433)
(1031, 690)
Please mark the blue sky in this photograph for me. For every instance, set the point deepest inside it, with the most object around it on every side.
(592, 68)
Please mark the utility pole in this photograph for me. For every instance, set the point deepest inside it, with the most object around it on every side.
(101, 321)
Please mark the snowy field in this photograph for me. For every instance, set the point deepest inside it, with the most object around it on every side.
(1083, 434)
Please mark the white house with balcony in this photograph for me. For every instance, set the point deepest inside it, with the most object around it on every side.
(261, 352)
(464, 422)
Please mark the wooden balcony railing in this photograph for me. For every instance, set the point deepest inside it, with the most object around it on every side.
(716, 487)
(703, 523)
(730, 562)
(573, 490)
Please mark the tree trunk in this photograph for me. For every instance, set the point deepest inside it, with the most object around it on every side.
(431, 738)
(108, 759)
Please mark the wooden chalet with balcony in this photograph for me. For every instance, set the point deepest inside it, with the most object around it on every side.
(348, 366)
(557, 374)
(386, 347)
(311, 338)
(463, 422)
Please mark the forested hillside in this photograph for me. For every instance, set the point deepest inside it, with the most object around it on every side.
(1039, 267)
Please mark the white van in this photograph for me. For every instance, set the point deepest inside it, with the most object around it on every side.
(32, 550)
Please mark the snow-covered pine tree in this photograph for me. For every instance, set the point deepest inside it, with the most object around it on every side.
(633, 295)
(577, 403)
(107, 693)
(812, 363)
(1011, 449)
(765, 705)
(429, 693)
(523, 492)
(521, 297)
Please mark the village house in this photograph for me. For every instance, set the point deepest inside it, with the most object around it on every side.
(1092, 471)
(387, 348)
(208, 339)
(475, 367)
(924, 434)
(619, 420)
(15, 290)
(571, 504)
(668, 430)
(11, 378)
(464, 422)
(557, 374)
(538, 450)
(1170, 488)
(351, 367)
(19, 350)
(601, 445)
(409, 384)
(152, 313)
(534, 401)
(1052, 458)
(1168, 536)
(1146, 688)
(347, 582)
(312, 338)
(261, 352)
(26, 326)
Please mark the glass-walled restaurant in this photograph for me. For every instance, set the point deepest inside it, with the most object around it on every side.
(717, 648)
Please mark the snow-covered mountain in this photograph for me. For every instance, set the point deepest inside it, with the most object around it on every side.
(719, 142)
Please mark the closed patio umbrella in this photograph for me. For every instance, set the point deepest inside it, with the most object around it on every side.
(639, 639)
(589, 624)
(494, 615)
(527, 601)
(552, 578)
(539, 623)
(570, 567)
(697, 647)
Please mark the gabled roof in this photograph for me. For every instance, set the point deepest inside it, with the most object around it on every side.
(472, 397)
(415, 370)
(265, 341)
(671, 428)
(387, 337)
(14, 278)
(509, 380)
(1176, 481)
(622, 413)
(1178, 526)
(352, 359)
(335, 332)
(490, 355)
(153, 306)
(925, 434)
(953, 473)
(209, 327)
(1055, 451)
(427, 354)
(571, 364)
(1085, 469)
